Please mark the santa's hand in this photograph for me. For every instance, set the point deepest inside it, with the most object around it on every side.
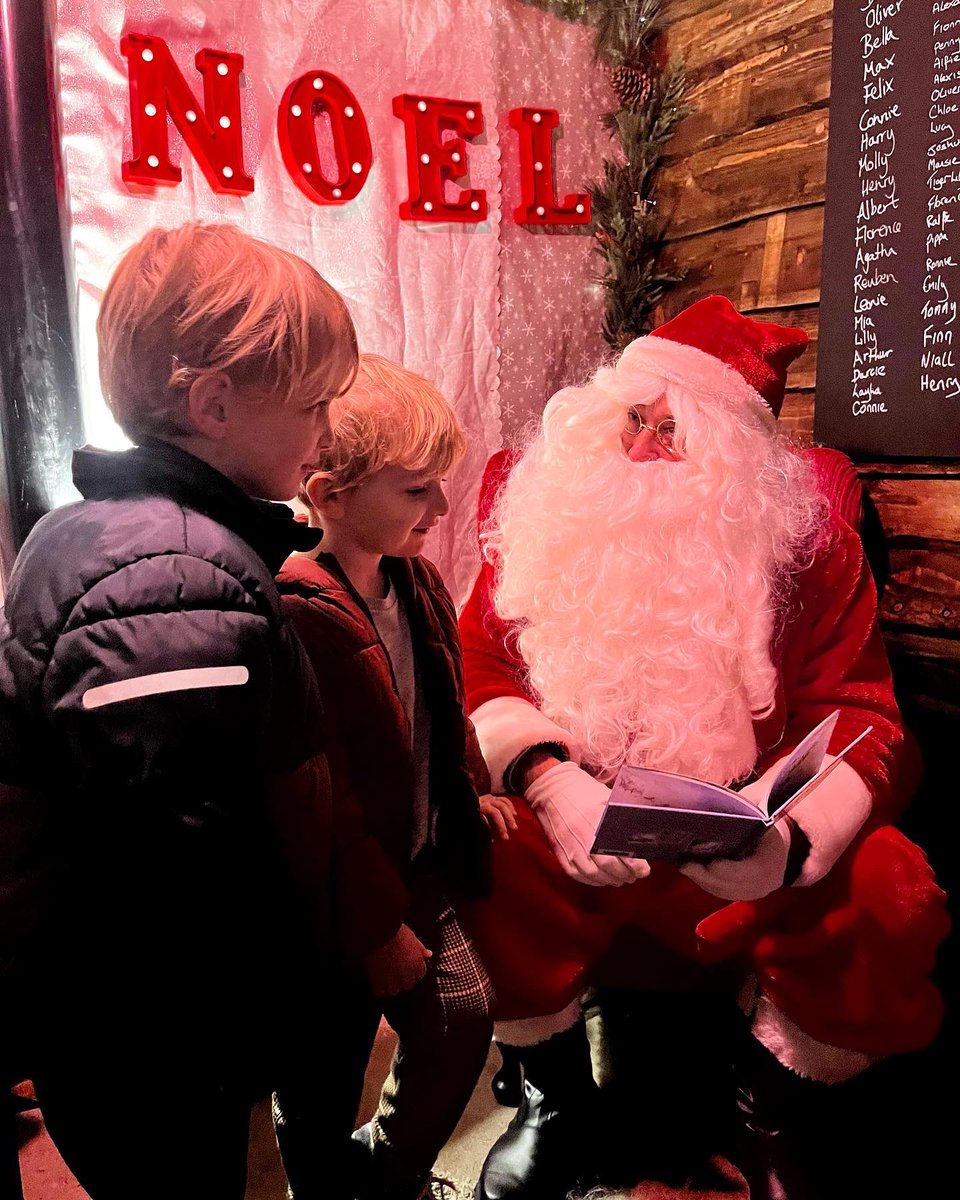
(749, 878)
(569, 804)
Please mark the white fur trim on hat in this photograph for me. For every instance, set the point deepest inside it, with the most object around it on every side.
(507, 727)
(687, 367)
(801, 1053)
(831, 816)
(533, 1030)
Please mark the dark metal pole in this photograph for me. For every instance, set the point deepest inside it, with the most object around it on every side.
(40, 416)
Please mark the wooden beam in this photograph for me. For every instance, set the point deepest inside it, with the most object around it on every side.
(770, 266)
(927, 669)
(912, 511)
(913, 470)
(708, 31)
(923, 591)
(796, 416)
(776, 167)
(754, 87)
(730, 262)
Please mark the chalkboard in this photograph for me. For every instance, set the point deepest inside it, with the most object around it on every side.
(888, 367)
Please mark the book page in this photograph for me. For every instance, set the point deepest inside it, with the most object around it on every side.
(820, 776)
(802, 764)
(648, 788)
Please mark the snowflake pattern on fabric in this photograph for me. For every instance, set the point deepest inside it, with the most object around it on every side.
(551, 304)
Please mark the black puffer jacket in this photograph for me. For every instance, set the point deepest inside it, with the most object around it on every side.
(151, 693)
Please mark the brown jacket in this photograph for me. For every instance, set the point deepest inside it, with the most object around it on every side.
(369, 749)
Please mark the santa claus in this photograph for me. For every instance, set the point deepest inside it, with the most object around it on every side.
(666, 583)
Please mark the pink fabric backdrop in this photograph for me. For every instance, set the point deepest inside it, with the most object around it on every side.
(550, 305)
(496, 315)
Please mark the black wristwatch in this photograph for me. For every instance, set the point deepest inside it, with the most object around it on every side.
(553, 748)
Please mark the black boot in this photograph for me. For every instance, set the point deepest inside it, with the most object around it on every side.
(801, 1139)
(547, 1148)
(507, 1084)
(374, 1181)
(664, 1065)
(379, 1180)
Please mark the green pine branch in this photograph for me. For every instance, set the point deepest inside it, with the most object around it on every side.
(626, 30)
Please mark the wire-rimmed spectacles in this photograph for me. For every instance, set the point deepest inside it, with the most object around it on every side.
(665, 431)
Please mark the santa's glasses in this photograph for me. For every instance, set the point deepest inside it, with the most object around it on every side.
(665, 431)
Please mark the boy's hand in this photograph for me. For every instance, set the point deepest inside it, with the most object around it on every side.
(397, 965)
(499, 813)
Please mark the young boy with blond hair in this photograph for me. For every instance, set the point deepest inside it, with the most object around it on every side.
(381, 630)
(160, 709)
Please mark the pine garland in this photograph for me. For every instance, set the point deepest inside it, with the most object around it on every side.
(630, 234)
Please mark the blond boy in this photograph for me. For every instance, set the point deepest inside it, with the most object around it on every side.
(381, 632)
(167, 722)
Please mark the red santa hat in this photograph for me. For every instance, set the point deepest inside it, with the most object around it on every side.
(759, 351)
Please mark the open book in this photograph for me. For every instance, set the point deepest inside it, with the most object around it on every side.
(656, 814)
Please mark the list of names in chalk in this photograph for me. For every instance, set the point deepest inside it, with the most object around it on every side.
(879, 224)
(888, 364)
(939, 375)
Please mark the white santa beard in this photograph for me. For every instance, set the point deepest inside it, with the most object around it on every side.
(645, 592)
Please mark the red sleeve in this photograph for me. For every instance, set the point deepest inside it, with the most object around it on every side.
(370, 899)
(838, 482)
(834, 659)
(492, 665)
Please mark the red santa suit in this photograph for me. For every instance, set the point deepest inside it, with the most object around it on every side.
(842, 960)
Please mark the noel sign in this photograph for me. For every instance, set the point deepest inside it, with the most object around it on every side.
(435, 133)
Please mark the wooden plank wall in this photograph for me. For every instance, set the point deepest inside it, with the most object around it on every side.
(744, 192)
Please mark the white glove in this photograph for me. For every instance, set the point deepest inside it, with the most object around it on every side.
(569, 804)
(749, 878)
(830, 816)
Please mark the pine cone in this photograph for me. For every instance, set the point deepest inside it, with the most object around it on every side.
(631, 86)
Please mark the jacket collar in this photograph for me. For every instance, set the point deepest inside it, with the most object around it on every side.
(407, 576)
(400, 572)
(159, 469)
